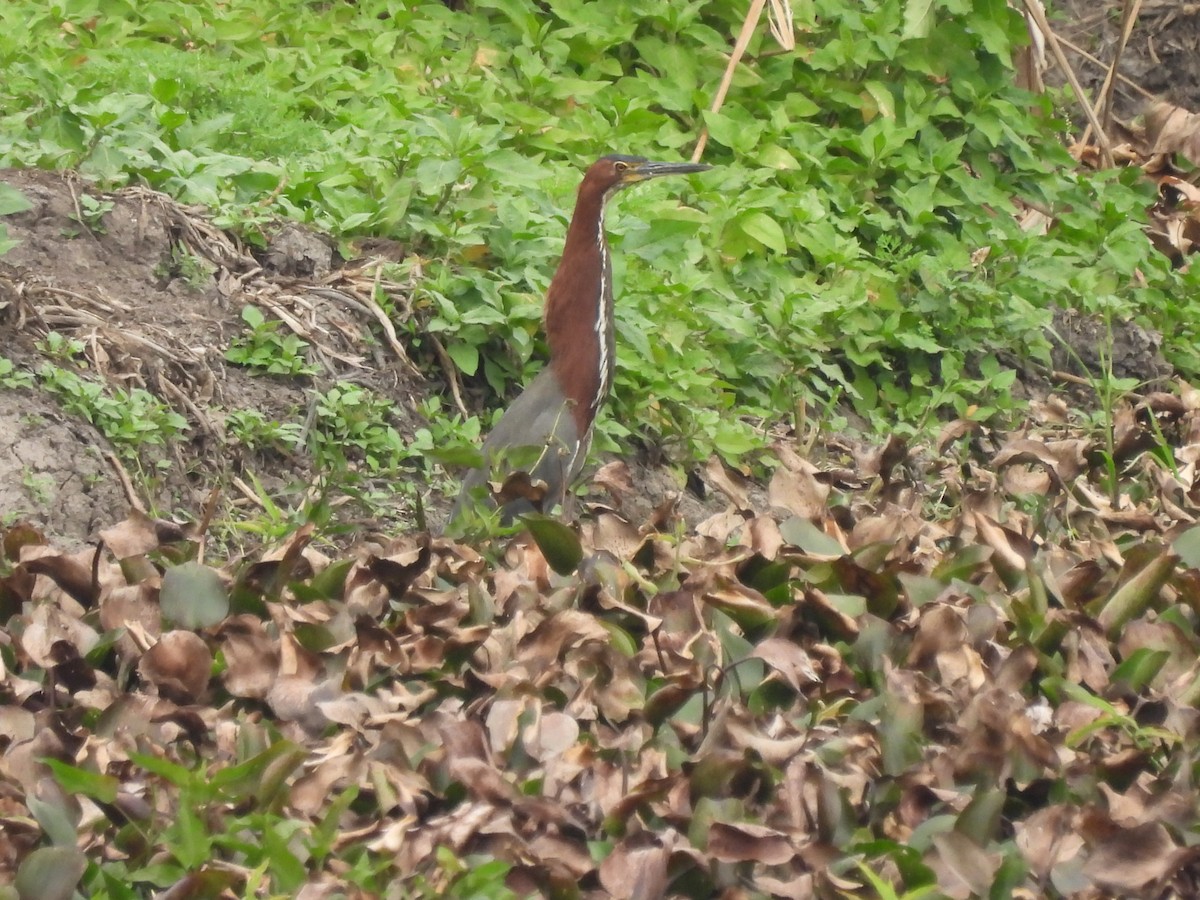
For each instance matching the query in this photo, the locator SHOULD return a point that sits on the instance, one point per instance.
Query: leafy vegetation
(856, 246)
(268, 348)
(351, 419)
(11, 377)
(130, 419)
(11, 201)
(252, 428)
(91, 213)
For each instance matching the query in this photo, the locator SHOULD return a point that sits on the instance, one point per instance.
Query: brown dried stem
(739, 50)
(1039, 16)
(451, 373)
(1103, 108)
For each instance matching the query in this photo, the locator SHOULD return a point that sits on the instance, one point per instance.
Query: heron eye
(620, 166)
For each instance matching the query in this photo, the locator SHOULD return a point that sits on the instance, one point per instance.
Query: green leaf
(50, 873)
(176, 774)
(1141, 668)
(1187, 545)
(882, 102)
(918, 19)
(920, 589)
(1133, 598)
(465, 356)
(193, 596)
(80, 781)
(765, 230)
(622, 640)
(252, 316)
(962, 563)
(733, 439)
(558, 543)
(330, 582)
(57, 821)
(802, 533)
(12, 200)
(165, 90)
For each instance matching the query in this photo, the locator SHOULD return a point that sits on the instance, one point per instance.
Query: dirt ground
(155, 295)
(147, 321)
(1161, 57)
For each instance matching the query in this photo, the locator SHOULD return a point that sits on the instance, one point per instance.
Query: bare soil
(155, 295)
(1161, 57)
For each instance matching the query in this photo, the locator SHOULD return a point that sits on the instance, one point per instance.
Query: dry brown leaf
(743, 842)
(551, 735)
(963, 869)
(614, 478)
(880, 462)
(251, 657)
(47, 626)
(789, 660)
(951, 432)
(70, 573)
(801, 887)
(179, 664)
(1128, 860)
(1050, 411)
(614, 535)
(798, 492)
(721, 526)
(138, 535)
(636, 872)
(1048, 837)
(732, 484)
(1173, 129)
(762, 535)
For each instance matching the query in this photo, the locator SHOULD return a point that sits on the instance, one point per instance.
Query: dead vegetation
(977, 665)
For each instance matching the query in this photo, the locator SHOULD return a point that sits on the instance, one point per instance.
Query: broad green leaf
(558, 543)
(920, 589)
(193, 596)
(177, 775)
(962, 563)
(12, 200)
(1187, 545)
(621, 638)
(329, 583)
(465, 356)
(803, 534)
(881, 101)
(765, 230)
(918, 19)
(1135, 596)
(58, 822)
(50, 873)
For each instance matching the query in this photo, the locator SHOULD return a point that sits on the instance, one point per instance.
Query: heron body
(547, 430)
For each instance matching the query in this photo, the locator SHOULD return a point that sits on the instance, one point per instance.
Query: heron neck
(578, 314)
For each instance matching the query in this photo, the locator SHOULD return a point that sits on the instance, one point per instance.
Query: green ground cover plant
(130, 419)
(856, 245)
(11, 201)
(269, 347)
